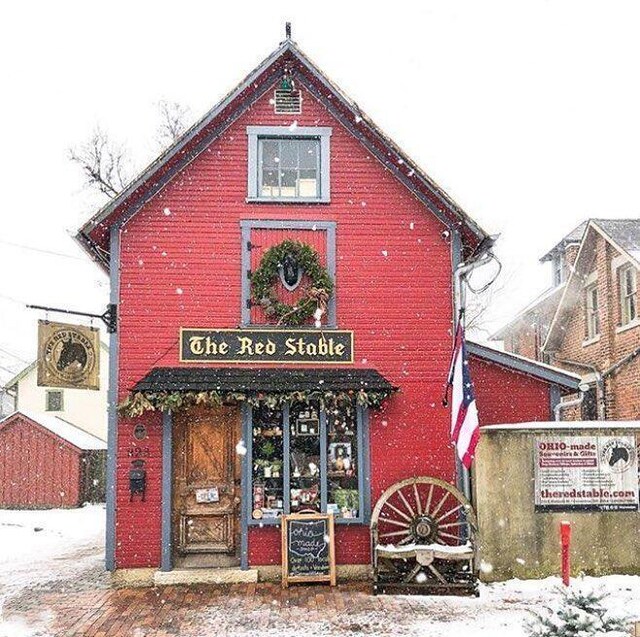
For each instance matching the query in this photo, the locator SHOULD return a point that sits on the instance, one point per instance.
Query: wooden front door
(206, 487)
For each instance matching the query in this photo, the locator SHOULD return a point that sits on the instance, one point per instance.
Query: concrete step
(204, 576)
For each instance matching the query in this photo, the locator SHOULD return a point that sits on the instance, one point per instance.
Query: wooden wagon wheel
(423, 511)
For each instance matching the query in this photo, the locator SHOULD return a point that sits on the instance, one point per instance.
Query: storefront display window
(305, 458)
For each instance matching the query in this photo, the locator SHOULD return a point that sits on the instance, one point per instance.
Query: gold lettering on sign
(196, 345)
(325, 347)
(246, 346)
(200, 345)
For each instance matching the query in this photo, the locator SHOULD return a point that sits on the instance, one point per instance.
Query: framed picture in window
(340, 456)
(307, 426)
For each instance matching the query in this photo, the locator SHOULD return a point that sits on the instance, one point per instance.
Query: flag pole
(463, 269)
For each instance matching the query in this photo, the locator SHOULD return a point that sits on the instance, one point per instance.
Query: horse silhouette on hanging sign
(71, 353)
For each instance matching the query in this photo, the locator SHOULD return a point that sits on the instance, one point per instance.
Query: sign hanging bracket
(109, 317)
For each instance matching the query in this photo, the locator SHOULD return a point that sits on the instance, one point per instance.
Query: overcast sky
(526, 112)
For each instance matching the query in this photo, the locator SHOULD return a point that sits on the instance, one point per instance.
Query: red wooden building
(46, 462)
(285, 198)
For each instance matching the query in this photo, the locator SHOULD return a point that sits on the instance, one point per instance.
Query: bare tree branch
(172, 124)
(103, 163)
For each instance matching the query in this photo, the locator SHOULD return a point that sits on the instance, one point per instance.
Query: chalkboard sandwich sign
(308, 548)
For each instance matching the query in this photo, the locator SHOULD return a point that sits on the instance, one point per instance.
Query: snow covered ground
(40, 546)
(502, 610)
(64, 548)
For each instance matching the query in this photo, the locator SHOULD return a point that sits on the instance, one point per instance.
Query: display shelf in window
(343, 487)
(304, 457)
(267, 464)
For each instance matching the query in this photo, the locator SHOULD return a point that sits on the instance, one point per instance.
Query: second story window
(54, 400)
(628, 294)
(288, 164)
(289, 168)
(591, 314)
(557, 270)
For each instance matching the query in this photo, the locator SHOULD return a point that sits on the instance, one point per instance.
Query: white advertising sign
(585, 473)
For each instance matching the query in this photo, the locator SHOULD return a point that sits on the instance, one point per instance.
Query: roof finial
(287, 30)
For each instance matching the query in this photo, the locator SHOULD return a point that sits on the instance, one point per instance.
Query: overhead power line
(21, 246)
(8, 353)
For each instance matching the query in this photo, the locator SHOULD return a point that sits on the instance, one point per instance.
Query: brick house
(526, 332)
(231, 417)
(589, 322)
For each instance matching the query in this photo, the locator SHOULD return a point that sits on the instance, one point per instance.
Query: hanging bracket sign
(266, 346)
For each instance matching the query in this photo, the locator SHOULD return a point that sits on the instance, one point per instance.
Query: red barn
(283, 282)
(46, 462)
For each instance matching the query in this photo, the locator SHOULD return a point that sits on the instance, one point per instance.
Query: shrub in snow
(580, 614)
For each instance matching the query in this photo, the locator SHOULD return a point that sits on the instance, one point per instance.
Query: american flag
(465, 428)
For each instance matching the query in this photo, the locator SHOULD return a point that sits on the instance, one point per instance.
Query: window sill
(628, 326)
(591, 341)
(277, 521)
(296, 200)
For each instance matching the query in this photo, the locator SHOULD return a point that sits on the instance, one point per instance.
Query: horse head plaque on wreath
(290, 272)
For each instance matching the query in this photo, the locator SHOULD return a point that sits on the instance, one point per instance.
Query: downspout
(602, 405)
(460, 302)
(569, 403)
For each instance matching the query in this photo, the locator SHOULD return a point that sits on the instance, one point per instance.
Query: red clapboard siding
(180, 266)
(504, 396)
(37, 468)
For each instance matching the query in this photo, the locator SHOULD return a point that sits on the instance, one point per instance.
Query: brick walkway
(88, 607)
(242, 609)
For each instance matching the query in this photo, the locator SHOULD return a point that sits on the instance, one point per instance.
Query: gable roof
(575, 236)
(623, 235)
(94, 235)
(547, 297)
(61, 428)
(548, 373)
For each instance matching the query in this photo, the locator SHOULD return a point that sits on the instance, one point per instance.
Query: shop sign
(68, 356)
(308, 553)
(586, 473)
(266, 346)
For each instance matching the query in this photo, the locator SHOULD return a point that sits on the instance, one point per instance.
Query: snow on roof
(573, 425)
(541, 298)
(525, 365)
(65, 430)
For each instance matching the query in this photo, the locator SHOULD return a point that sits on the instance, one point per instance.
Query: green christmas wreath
(316, 295)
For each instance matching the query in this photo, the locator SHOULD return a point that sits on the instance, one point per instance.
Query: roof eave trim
(373, 129)
(182, 142)
(198, 127)
(531, 368)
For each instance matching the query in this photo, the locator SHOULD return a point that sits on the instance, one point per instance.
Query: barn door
(261, 239)
(206, 487)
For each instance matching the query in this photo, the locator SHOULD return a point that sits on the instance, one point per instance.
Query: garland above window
(137, 403)
(282, 262)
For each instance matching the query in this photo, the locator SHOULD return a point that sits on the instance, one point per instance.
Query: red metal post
(565, 540)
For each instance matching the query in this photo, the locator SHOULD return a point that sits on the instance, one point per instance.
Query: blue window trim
(364, 469)
(255, 133)
(247, 225)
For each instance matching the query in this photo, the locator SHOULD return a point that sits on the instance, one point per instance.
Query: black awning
(272, 380)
